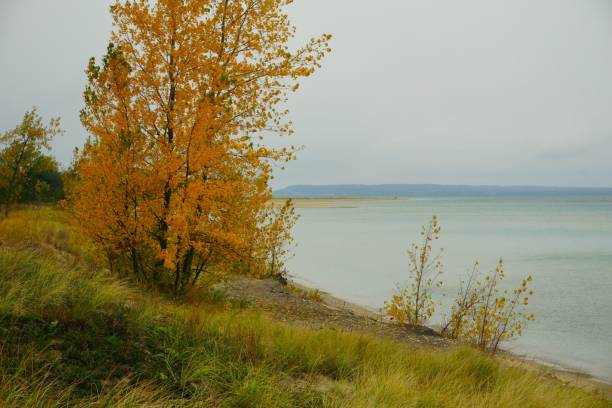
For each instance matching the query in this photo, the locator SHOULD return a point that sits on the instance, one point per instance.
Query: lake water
(359, 254)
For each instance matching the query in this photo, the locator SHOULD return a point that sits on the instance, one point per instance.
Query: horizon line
(449, 185)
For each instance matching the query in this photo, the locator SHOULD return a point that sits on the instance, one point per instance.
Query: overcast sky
(415, 91)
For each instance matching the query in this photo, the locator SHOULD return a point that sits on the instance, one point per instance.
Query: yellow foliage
(174, 177)
(413, 304)
(272, 241)
(482, 313)
(486, 316)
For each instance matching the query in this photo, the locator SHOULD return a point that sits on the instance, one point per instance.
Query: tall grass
(72, 335)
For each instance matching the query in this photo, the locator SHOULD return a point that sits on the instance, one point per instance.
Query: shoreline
(326, 202)
(564, 371)
(567, 375)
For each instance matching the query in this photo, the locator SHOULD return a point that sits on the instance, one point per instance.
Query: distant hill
(432, 190)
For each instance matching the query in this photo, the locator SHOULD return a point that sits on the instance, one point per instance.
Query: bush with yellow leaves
(482, 314)
(413, 304)
(485, 315)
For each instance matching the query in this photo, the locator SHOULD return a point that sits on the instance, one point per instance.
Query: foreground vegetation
(72, 334)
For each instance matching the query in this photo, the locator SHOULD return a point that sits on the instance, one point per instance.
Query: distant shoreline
(433, 190)
(325, 202)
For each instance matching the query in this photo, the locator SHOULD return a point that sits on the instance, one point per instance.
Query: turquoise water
(359, 254)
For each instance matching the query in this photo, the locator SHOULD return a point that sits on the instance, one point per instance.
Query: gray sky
(415, 91)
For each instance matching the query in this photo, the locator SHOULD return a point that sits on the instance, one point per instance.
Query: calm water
(565, 242)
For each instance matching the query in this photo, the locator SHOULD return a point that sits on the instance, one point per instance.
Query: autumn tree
(44, 182)
(25, 172)
(482, 314)
(466, 300)
(413, 304)
(175, 173)
(273, 240)
(485, 315)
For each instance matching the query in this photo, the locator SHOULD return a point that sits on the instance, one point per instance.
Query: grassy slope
(70, 334)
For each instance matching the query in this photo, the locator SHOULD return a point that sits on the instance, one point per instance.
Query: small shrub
(413, 304)
(484, 315)
(310, 294)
